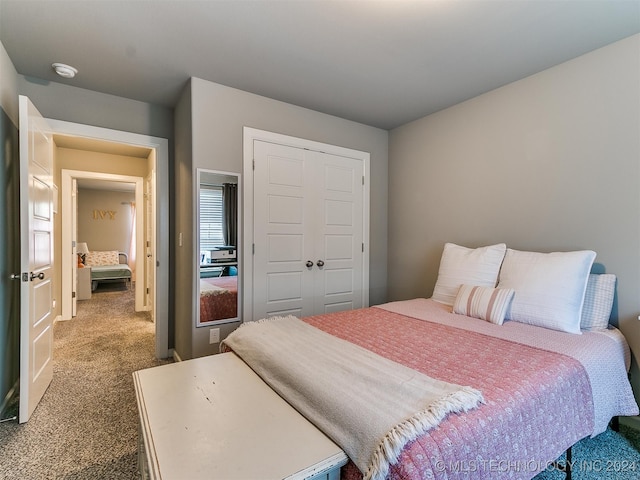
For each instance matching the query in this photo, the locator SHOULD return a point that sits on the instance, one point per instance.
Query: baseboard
(58, 319)
(631, 422)
(176, 357)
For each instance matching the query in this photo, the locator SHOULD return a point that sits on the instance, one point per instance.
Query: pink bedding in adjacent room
(544, 390)
(218, 298)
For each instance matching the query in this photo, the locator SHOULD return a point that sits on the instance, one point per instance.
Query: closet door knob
(309, 264)
(320, 263)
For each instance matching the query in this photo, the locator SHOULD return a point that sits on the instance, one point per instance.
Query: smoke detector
(65, 71)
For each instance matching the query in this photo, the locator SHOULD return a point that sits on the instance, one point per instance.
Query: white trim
(68, 253)
(249, 135)
(161, 145)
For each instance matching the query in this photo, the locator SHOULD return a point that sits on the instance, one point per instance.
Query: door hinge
(73, 294)
(363, 248)
(147, 291)
(362, 179)
(253, 248)
(254, 163)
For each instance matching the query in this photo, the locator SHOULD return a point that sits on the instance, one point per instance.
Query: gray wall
(549, 163)
(72, 104)
(219, 114)
(108, 232)
(184, 222)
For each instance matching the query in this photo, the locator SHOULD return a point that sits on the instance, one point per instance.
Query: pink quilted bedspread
(224, 304)
(538, 403)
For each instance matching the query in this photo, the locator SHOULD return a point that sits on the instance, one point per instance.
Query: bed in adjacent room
(218, 298)
(517, 344)
(107, 267)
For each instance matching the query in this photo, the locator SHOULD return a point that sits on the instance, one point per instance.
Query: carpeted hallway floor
(86, 424)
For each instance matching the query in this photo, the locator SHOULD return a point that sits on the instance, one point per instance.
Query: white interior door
(74, 246)
(36, 238)
(150, 242)
(308, 232)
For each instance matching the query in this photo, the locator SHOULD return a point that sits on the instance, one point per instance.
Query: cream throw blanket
(369, 405)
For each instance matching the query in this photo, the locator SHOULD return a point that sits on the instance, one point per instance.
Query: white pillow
(598, 300)
(468, 266)
(485, 303)
(549, 287)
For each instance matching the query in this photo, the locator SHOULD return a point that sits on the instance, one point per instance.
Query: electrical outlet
(214, 335)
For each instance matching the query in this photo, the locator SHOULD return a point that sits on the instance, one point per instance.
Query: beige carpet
(86, 424)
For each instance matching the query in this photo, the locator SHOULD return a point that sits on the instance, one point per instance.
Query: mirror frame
(199, 174)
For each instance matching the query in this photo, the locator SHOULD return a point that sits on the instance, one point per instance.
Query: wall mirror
(217, 247)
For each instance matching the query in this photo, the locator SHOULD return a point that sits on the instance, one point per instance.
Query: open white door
(74, 245)
(150, 243)
(36, 257)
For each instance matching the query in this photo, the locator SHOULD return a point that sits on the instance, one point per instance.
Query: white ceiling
(382, 63)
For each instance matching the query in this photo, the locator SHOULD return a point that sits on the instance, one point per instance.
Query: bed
(218, 298)
(501, 323)
(107, 267)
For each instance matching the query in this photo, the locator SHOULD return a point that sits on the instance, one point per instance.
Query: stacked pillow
(462, 265)
(598, 301)
(549, 287)
(550, 290)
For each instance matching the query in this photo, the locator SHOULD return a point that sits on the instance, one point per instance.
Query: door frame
(249, 135)
(67, 176)
(161, 147)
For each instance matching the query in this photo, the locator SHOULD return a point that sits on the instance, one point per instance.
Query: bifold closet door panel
(283, 232)
(338, 233)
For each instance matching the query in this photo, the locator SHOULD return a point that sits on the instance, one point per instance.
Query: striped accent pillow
(598, 301)
(485, 303)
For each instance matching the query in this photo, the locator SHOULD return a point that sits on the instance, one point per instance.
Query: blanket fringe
(388, 451)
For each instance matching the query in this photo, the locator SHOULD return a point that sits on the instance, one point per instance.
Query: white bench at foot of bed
(214, 418)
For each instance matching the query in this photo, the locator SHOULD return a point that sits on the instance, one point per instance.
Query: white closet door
(308, 232)
(338, 232)
(282, 283)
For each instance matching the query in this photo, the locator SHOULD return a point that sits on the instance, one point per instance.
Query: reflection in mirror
(217, 247)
